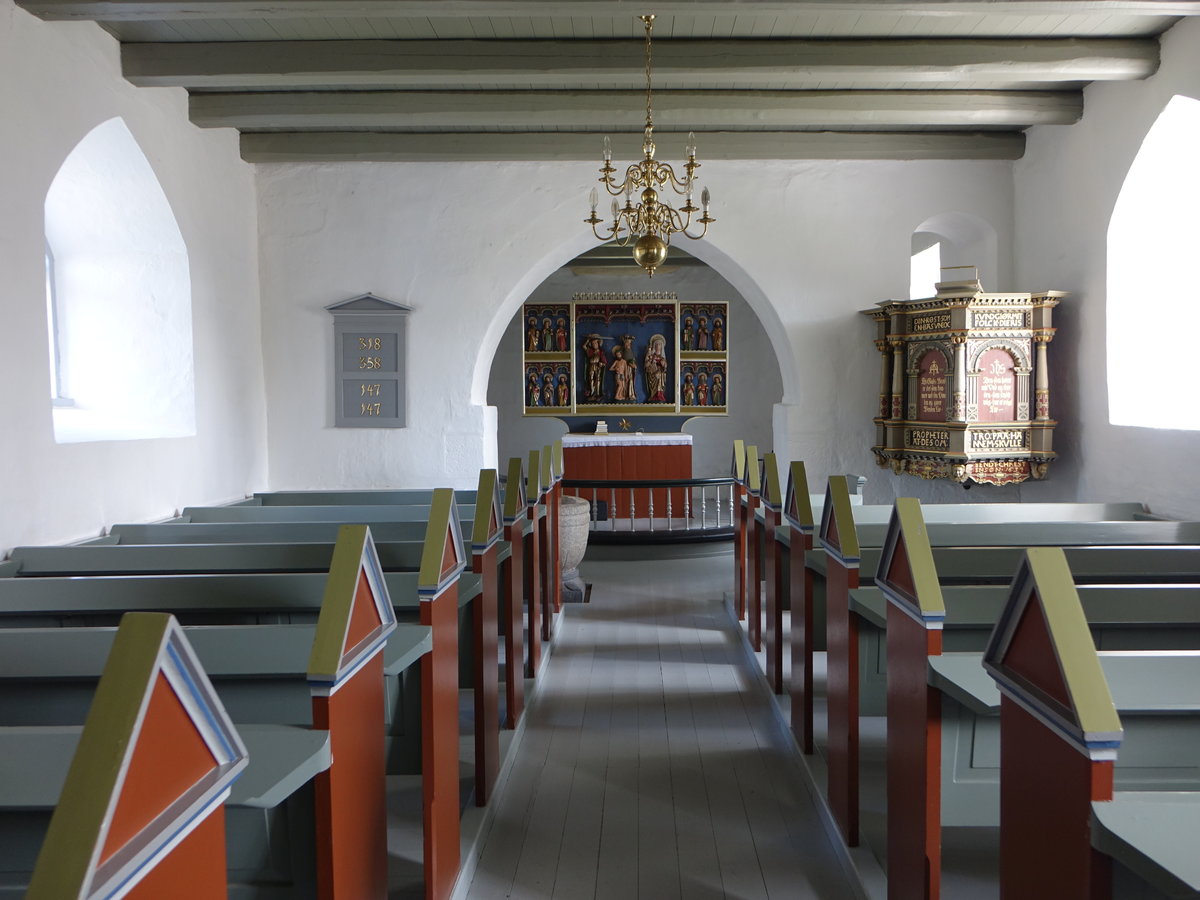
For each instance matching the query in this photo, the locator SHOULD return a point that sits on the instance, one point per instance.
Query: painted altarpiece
(634, 354)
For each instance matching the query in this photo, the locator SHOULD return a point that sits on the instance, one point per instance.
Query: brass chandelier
(653, 220)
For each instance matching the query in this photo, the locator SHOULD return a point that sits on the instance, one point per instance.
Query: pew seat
(1152, 835)
(268, 837)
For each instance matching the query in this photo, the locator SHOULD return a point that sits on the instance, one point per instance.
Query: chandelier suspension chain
(649, 20)
(650, 224)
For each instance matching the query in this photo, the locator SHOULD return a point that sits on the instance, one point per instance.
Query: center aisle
(652, 765)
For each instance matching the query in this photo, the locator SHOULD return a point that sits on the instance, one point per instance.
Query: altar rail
(679, 509)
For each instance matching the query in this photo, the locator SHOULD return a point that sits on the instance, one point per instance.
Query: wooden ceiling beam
(135, 10)
(623, 110)
(367, 146)
(619, 64)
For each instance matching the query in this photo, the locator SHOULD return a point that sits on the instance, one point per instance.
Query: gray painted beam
(623, 110)
(393, 147)
(132, 10)
(619, 64)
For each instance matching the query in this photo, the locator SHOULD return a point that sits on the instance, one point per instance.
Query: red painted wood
(513, 619)
(739, 553)
(487, 676)
(754, 541)
(554, 504)
(914, 759)
(439, 746)
(773, 627)
(351, 794)
(193, 870)
(1046, 791)
(628, 462)
(841, 629)
(533, 600)
(547, 576)
(169, 757)
(801, 591)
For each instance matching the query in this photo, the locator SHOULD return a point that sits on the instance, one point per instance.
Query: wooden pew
(937, 754)
(485, 537)
(753, 532)
(292, 596)
(537, 549)
(840, 539)
(340, 665)
(519, 595)
(126, 818)
(795, 538)
(737, 470)
(772, 493)
(520, 529)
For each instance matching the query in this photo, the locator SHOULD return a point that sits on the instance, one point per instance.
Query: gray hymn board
(369, 362)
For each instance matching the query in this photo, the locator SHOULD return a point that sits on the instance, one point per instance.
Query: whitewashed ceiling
(314, 80)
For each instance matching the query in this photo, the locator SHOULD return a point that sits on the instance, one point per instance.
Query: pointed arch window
(118, 297)
(1153, 312)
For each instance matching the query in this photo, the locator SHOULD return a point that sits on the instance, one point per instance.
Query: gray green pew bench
(839, 539)
(939, 749)
(1100, 752)
(138, 797)
(260, 672)
(477, 636)
(334, 680)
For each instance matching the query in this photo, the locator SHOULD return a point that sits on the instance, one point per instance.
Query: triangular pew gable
(772, 490)
(356, 615)
(908, 578)
(837, 534)
(737, 469)
(534, 486)
(514, 491)
(737, 466)
(488, 525)
(485, 538)
(772, 570)
(840, 541)
(1059, 734)
(797, 509)
(437, 584)
(140, 808)
(753, 470)
(547, 462)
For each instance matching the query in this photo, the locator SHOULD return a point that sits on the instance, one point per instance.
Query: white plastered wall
(1065, 189)
(57, 82)
(806, 244)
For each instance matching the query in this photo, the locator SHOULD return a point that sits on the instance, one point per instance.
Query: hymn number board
(369, 357)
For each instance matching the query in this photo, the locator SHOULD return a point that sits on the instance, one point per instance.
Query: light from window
(119, 296)
(1153, 304)
(925, 271)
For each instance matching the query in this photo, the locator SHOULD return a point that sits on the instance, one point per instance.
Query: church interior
(199, 198)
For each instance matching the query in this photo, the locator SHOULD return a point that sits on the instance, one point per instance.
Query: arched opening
(949, 240)
(755, 378)
(1152, 235)
(118, 294)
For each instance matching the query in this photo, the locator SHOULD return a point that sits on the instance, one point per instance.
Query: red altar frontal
(625, 457)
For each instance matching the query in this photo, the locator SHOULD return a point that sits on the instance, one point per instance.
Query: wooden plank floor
(652, 765)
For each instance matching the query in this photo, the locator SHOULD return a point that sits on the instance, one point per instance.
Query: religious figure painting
(654, 353)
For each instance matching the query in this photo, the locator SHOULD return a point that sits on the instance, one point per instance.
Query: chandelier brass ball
(650, 197)
(650, 252)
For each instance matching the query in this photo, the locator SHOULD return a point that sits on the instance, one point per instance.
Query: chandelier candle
(650, 224)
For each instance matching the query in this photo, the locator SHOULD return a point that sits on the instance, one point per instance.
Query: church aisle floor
(652, 765)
